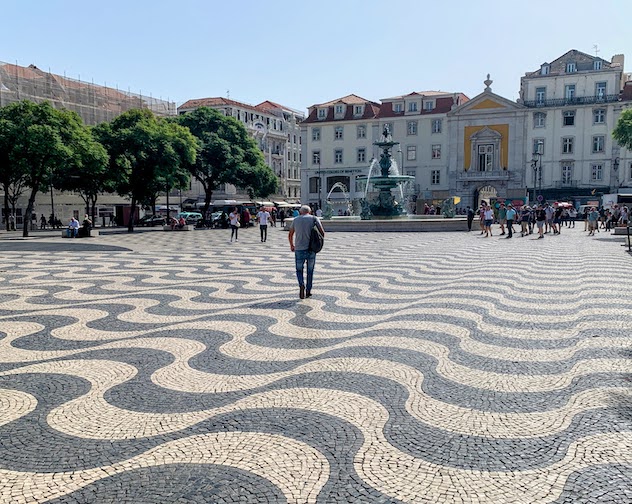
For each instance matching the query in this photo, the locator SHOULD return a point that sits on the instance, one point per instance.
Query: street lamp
(52, 204)
(536, 164)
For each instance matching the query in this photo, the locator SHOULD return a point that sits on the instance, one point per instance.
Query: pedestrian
(263, 216)
(502, 218)
(470, 218)
(299, 237)
(12, 222)
(481, 216)
(593, 221)
(233, 218)
(488, 215)
(548, 211)
(557, 220)
(42, 222)
(540, 220)
(525, 216)
(572, 215)
(510, 216)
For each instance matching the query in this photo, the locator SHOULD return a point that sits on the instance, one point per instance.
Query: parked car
(190, 217)
(151, 220)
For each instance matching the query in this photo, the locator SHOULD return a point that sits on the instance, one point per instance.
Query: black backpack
(316, 238)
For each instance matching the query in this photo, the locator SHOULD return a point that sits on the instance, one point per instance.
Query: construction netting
(94, 103)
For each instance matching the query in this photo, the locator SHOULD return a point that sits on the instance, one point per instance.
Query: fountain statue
(385, 205)
(447, 208)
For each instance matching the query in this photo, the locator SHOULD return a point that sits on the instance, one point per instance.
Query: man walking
(511, 215)
(300, 232)
(470, 218)
(263, 216)
(502, 218)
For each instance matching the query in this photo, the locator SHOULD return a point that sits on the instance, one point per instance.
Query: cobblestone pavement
(430, 367)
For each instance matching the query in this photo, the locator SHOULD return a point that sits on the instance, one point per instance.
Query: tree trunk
(208, 194)
(29, 210)
(93, 203)
(6, 206)
(132, 214)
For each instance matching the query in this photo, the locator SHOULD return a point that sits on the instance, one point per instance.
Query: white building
(338, 141)
(573, 105)
(555, 141)
(277, 131)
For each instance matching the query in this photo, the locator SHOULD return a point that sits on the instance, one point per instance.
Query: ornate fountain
(385, 204)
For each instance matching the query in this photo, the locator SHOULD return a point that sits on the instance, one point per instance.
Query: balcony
(578, 100)
(483, 175)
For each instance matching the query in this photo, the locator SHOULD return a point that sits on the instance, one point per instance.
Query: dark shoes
(301, 292)
(308, 294)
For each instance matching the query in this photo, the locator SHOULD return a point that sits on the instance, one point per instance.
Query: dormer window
(340, 109)
(429, 104)
(358, 110)
(398, 107)
(545, 69)
(412, 107)
(322, 113)
(597, 65)
(571, 67)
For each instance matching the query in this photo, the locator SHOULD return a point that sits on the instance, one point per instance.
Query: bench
(80, 233)
(187, 227)
(620, 231)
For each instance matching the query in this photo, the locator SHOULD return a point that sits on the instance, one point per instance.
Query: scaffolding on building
(94, 103)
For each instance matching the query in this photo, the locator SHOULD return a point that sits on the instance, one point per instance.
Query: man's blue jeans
(301, 256)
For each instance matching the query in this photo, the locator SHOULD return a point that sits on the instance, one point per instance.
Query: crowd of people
(544, 218)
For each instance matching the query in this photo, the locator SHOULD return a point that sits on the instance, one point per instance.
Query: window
(338, 156)
(599, 116)
(361, 131)
(338, 132)
(315, 134)
(538, 145)
(411, 173)
(567, 145)
(569, 118)
(539, 120)
(436, 151)
(597, 65)
(313, 184)
(567, 173)
(411, 153)
(569, 92)
(544, 70)
(362, 155)
(540, 95)
(294, 138)
(436, 125)
(597, 172)
(485, 157)
(411, 127)
(294, 155)
(598, 143)
(300, 157)
(435, 177)
(412, 107)
(398, 107)
(322, 113)
(600, 90)
(339, 109)
(316, 157)
(429, 105)
(358, 110)
(289, 155)
(571, 67)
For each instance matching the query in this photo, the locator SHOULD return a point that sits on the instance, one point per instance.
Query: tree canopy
(148, 155)
(623, 130)
(227, 155)
(43, 140)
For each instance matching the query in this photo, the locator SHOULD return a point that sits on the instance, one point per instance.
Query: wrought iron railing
(577, 100)
(571, 183)
(475, 174)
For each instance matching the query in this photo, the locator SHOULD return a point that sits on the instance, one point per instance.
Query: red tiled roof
(442, 106)
(214, 102)
(347, 100)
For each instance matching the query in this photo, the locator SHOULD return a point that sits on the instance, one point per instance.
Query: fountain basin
(402, 224)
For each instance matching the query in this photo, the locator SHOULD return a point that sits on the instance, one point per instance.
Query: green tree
(623, 130)
(88, 175)
(43, 140)
(11, 177)
(147, 154)
(227, 155)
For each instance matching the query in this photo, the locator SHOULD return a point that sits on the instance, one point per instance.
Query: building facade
(554, 142)
(276, 129)
(338, 144)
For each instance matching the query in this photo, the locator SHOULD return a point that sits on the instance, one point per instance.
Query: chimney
(617, 60)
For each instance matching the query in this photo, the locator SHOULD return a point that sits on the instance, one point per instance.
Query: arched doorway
(487, 193)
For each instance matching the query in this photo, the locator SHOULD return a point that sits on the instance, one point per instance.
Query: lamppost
(52, 203)
(320, 186)
(536, 164)
(615, 167)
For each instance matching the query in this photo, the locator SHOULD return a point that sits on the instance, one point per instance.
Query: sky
(300, 53)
